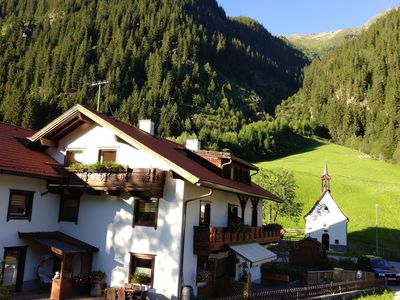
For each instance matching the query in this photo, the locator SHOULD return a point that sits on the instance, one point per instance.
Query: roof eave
(27, 174)
(237, 191)
(79, 108)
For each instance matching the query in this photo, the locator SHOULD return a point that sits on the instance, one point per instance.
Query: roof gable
(327, 200)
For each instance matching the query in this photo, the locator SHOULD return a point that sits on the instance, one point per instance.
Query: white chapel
(325, 221)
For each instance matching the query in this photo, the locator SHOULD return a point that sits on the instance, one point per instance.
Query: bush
(345, 263)
(98, 167)
(273, 227)
(97, 275)
(141, 278)
(5, 292)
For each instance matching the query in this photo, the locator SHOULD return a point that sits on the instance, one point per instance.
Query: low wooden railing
(149, 180)
(327, 276)
(208, 239)
(314, 291)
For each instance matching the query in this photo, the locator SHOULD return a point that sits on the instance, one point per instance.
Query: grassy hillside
(357, 184)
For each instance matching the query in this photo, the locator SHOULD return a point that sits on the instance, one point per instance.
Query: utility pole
(376, 228)
(99, 84)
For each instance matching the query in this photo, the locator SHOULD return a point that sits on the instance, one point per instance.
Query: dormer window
(107, 155)
(73, 156)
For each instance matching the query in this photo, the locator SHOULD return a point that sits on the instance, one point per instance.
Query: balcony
(150, 181)
(209, 239)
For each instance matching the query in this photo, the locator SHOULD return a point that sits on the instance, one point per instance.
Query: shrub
(98, 167)
(141, 278)
(97, 275)
(273, 227)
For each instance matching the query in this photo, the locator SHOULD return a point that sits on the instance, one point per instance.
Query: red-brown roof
(17, 159)
(173, 152)
(177, 155)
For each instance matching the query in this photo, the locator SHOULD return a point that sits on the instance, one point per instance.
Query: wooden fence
(328, 276)
(313, 291)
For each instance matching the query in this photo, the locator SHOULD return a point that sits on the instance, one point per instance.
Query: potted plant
(141, 278)
(203, 277)
(96, 277)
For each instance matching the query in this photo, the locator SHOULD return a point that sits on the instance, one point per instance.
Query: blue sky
(283, 17)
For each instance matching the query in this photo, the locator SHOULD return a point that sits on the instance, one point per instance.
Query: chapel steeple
(325, 180)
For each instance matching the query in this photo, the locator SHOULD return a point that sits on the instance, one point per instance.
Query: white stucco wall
(333, 222)
(219, 201)
(44, 218)
(106, 221)
(91, 138)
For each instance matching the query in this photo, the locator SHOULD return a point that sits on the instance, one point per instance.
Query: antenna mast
(99, 84)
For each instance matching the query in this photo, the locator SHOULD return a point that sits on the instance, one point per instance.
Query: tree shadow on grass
(290, 144)
(364, 242)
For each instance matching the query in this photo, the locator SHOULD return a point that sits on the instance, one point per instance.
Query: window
(20, 205)
(73, 156)
(145, 212)
(107, 156)
(205, 213)
(69, 208)
(141, 268)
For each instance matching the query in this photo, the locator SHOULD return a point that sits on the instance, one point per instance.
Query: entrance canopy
(253, 253)
(58, 242)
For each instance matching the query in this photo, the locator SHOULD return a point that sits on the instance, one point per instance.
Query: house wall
(333, 223)
(91, 138)
(106, 221)
(219, 218)
(44, 218)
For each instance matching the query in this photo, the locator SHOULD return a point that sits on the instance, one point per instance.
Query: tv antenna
(99, 84)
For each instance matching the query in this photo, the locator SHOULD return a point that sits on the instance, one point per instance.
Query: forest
(184, 64)
(352, 95)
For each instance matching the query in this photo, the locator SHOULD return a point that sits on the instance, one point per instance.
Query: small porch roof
(253, 253)
(58, 242)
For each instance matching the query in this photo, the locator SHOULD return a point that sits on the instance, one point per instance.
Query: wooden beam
(85, 119)
(243, 201)
(68, 128)
(48, 142)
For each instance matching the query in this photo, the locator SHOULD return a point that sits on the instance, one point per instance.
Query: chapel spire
(325, 180)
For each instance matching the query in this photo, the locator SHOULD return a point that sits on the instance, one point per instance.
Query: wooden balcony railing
(143, 180)
(208, 239)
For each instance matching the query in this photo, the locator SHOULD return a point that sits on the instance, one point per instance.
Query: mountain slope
(318, 44)
(182, 63)
(354, 92)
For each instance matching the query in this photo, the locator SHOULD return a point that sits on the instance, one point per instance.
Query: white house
(325, 221)
(164, 214)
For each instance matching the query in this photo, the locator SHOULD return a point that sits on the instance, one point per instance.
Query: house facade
(325, 221)
(158, 209)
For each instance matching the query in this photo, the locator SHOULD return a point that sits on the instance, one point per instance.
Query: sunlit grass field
(358, 183)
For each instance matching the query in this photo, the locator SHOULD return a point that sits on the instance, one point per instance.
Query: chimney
(147, 125)
(193, 144)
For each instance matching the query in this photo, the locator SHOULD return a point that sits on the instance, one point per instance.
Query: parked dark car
(380, 267)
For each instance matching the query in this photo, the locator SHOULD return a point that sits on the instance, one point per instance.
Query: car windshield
(379, 263)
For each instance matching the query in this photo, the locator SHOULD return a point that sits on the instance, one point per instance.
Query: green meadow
(358, 183)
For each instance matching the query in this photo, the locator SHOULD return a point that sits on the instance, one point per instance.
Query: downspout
(258, 170)
(225, 164)
(183, 233)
